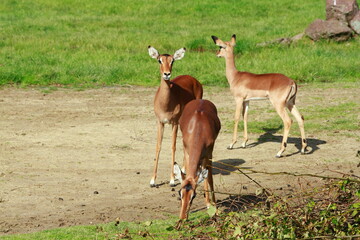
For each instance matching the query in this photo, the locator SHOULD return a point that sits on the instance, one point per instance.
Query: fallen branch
(283, 41)
(287, 173)
(265, 190)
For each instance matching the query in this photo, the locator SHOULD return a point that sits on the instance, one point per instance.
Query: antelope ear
(179, 54)
(203, 174)
(218, 42)
(153, 52)
(179, 175)
(233, 40)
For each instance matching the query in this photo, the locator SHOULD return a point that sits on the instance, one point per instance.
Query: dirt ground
(72, 157)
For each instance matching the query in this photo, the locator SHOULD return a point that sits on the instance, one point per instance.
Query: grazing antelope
(200, 126)
(245, 86)
(170, 100)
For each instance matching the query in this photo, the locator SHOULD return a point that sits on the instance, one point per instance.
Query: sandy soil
(85, 157)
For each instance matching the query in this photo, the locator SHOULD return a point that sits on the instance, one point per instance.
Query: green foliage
(330, 211)
(96, 43)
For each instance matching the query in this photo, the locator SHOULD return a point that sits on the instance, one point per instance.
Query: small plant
(332, 211)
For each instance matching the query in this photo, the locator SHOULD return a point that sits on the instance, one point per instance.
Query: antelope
(246, 86)
(200, 126)
(169, 102)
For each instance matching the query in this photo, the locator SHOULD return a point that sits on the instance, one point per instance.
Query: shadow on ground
(268, 136)
(226, 166)
(237, 203)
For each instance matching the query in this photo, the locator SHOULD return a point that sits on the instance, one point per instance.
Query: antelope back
(190, 88)
(199, 123)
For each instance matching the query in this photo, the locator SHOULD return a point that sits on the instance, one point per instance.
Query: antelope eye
(159, 61)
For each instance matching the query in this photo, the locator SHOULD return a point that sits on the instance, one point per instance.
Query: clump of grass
(105, 43)
(331, 211)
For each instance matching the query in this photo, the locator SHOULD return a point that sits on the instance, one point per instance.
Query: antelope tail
(292, 94)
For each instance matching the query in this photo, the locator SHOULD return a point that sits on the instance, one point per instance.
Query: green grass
(162, 229)
(96, 43)
(341, 118)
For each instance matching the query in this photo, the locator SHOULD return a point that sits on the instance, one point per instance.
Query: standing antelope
(200, 126)
(170, 100)
(245, 86)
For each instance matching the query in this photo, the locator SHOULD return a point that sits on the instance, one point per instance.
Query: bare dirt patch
(85, 157)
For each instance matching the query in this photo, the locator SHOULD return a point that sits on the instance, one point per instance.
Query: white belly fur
(256, 98)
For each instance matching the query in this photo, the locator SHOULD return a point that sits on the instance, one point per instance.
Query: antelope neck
(165, 86)
(164, 90)
(230, 68)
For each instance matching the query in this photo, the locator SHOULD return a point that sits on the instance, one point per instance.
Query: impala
(200, 126)
(246, 86)
(170, 100)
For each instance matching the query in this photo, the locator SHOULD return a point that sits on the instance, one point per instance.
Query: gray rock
(355, 23)
(341, 10)
(329, 29)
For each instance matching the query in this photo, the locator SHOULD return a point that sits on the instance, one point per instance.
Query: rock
(297, 37)
(329, 29)
(283, 41)
(355, 23)
(341, 10)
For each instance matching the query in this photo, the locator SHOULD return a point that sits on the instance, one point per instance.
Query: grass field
(92, 43)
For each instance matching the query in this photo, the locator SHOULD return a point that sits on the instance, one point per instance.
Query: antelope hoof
(303, 150)
(172, 183)
(179, 224)
(278, 155)
(152, 183)
(243, 145)
(231, 146)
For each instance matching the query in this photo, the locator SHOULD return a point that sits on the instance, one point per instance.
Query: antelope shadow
(226, 166)
(269, 136)
(237, 203)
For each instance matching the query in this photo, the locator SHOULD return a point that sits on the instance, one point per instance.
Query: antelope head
(225, 47)
(166, 61)
(187, 193)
